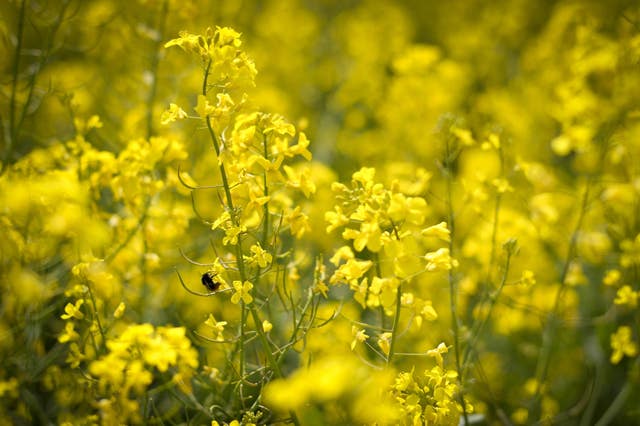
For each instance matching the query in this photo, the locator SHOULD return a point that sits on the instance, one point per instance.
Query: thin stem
(494, 234)
(265, 213)
(273, 363)
(150, 101)
(297, 326)
(616, 405)
(14, 86)
(477, 331)
(243, 315)
(97, 317)
(396, 322)
(238, 249)
(477, 328)
(453, 293)
(549, 332)
(155, 60)
(496, 211)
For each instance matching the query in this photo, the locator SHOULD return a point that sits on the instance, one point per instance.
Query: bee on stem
(210, 281)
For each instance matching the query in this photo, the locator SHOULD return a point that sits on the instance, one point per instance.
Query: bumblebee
(210, 281)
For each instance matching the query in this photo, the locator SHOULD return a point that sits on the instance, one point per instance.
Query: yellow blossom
(300, 181)
(69, 333)
(298, 222)
(527, 278)
(260, 256)
(350, 271)
(336, 219)
(440, 231)
(217, 326)
(612, 277)
(343, 253)
(119, 310)
(384, 342)
(172, 114)
(242, 292)
(626, 297)
(437, 353)
(231, 234)
(440, 260)
(359, 336)
(369, 236)
(204, 108)
(72, 310)
(464, 136)
(622, 344)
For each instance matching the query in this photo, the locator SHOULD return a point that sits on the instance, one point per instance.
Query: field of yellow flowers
(319, 212)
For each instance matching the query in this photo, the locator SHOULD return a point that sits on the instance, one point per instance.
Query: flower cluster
(174, 250)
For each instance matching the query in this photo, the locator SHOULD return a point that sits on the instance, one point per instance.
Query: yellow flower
(9, 387)
(411, 209)
(626, 297)
(203, 107)
(528, 278)
(384, 342)
(464, 136)
(301, 147)
(502, 185)
(232, 233)
(298, 222)
(493, 141)
(440, 260)
(350, 271)
(336, 219)
(612, 277)
(365, 176)
(73, 310)
(359, 336)
(172, 114)
(119, 310)
(368, 236)
(69, 333)
(630, 252)
(437, 353)
(75, 357)
(343, 253)
(300, 181)
(189, 42)
(221, 221)
(260, 256)
(267, 326)
(438, 231)
(217, 326)
(428, 312)
(242, 292)
(622, 344)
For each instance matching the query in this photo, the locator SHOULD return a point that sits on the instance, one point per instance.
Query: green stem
(97, 317)
(616, 405)
(396, 322)
(453, 294)
(238, 249)
(273, 363)
(297, 325)
(14, 86)
(241, 368)
(478, 329)
(265, 213)
(155, 60)
(548, 335)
